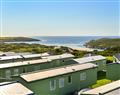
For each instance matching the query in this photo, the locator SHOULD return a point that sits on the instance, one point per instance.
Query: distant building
(14, 88)
(60, 81)
(98, 60)
(108, 89)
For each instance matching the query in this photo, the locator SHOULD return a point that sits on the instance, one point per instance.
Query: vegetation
(110, 46)
(101, 83)
(37, 48)
(34, 48)
(102, 80)
(104, 43)
(110, 51)
(109, 59)
(78, 54)
(16, 39)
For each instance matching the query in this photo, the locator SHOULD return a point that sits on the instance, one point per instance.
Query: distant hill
(104, 43)
(16, 39)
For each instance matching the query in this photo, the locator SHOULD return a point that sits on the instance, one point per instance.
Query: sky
(59, 18)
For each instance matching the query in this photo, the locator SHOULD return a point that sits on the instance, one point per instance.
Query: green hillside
(16, 39)
(104, 43)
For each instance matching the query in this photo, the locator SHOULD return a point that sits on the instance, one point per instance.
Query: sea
(69, 41)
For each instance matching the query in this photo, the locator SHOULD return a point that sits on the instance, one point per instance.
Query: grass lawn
(110, 58)
(101, 82)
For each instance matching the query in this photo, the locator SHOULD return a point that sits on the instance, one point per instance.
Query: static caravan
(113, 71)
(108, 89)
(61, 60)
(7, 53)
(14, 88)
(34, 56)
(8, 70)
(98, 60)
(21, 57)
(13, 58)
(60, 81)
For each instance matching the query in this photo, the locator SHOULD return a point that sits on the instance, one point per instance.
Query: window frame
(8, 74)
(61, 82)
(70, 77)
(36, 67)
(83, 76)
(16, 73)
(51, 86)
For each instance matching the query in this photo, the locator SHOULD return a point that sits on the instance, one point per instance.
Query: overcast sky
(60, 18)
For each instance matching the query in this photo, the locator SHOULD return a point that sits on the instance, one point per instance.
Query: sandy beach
(82, 48)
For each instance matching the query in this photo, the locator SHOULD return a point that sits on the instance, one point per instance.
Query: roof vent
(73, 69)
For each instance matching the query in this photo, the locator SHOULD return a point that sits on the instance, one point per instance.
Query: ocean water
(77, 41)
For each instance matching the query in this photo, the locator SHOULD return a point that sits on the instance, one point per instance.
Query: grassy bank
(16, 39)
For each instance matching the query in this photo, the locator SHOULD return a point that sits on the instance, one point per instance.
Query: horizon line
(66, 36)
(53, 1)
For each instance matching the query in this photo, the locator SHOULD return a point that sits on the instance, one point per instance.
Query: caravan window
(16, 72)
(8, 74)
(61, 82)
(69, 79)
(83, 76)
(52, 85)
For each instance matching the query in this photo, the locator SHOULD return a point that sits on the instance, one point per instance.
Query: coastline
(75, 43)
(74, 47)
(82, 48)
(17, 39)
